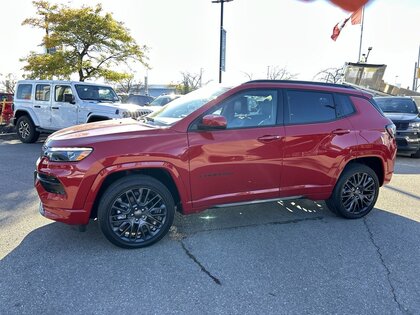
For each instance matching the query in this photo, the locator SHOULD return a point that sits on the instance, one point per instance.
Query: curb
(8, 136)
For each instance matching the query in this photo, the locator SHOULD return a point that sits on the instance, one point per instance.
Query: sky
(183, 36)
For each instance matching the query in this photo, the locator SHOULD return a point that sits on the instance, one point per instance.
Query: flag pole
(361, 33)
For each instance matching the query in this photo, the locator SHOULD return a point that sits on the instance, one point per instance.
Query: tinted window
(60, 91)
(344, 106)
(397, 105)
(139, 99)
(309, 107)
(42, 92)
(249, 109)
(24, 91)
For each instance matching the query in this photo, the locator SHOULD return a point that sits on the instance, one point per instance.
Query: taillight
(392, 130)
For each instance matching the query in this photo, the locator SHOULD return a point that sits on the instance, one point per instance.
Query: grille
(401, 126)
(140, 113)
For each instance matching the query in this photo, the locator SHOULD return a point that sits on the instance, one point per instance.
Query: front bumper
(68, 216)
(408, 141)
(61, 193)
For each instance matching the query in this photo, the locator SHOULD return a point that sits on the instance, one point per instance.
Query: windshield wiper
(105, 100)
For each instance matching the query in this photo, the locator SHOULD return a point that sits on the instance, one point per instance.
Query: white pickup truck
(46, 106)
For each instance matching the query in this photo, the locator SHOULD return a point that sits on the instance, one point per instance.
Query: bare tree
(190, 82)
(128, 85)
(330, 75)
(279, 73)
(8, 83)
(249, 75)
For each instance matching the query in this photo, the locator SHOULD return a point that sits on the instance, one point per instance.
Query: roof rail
(303, 82)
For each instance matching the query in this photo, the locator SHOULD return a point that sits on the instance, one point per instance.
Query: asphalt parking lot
(278, 258)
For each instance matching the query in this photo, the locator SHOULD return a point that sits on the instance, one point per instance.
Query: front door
(64, 114)
(244, 161)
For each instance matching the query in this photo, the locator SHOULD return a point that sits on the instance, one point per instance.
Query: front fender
(138, 166)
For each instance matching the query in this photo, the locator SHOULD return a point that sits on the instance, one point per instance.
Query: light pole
(367, 56)
(222, 39)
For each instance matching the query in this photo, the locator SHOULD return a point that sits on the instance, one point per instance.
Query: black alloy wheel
(136, 211)
(355, 193)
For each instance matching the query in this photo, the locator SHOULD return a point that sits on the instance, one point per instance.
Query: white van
(47, 106)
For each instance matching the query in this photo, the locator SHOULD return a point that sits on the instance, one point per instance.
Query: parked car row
(404, 113)
(42, 106)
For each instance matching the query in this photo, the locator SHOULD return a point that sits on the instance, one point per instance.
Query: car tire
(26, 131)
(355, 192)
(136, 211)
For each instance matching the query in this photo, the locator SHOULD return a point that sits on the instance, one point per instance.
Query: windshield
(185, 105)
(397, 105)
(162, 100)
(96, 93)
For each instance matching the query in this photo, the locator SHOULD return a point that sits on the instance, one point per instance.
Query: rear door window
(344, 106)
(42, 92)
(305, 107)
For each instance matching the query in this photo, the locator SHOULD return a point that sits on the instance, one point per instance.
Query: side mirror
(69, 98)
(213, 122)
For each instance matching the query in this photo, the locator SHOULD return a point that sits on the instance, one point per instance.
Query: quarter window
(249, 109)
(344, 106)
(24, 91)
(42, 92)
(310, 107)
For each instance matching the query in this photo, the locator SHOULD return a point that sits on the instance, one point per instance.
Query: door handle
(55, 107)
(341, 131)
(37, 106)
(269, 138)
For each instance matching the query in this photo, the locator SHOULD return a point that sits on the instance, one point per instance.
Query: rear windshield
(397, 105)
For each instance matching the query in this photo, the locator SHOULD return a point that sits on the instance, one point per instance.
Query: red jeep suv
(260, 141)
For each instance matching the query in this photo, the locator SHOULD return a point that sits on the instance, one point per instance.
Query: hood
(114, 106)
(401, 117)
(100, 129)
(150, 108)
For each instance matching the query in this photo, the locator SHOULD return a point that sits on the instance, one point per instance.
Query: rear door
(63, 114)
(42, 104)
(318, 137)
(244, 161)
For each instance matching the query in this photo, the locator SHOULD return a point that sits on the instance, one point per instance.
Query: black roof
(303, 82)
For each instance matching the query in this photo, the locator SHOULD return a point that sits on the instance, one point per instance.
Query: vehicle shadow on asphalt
(58, 235)
(216, 247)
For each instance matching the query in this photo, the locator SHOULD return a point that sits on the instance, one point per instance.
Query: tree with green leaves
(84, 41)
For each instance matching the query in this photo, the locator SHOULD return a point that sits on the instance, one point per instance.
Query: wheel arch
(93, 118)
(20, 112)
(161, 174)
(373, 162)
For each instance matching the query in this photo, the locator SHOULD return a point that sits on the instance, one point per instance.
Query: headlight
(67, 154)
(125, 114)
(414, 125)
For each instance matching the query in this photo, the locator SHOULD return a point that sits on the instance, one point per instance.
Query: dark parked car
(258, 142)
(404, 113)
(139, 99)
(162, 100)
